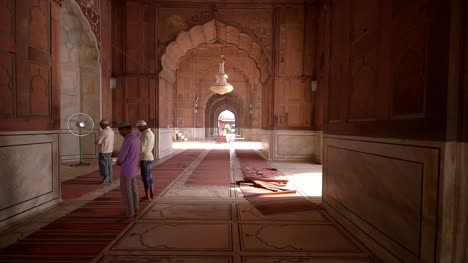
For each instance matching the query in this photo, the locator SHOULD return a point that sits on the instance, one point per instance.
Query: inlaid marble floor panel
(235, 232)
(295, 237)
(177, 237)
(204, 224)
(161, 211)
(247, 212)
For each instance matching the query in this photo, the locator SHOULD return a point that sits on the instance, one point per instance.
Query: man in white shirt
(146, 157)
(105, 144)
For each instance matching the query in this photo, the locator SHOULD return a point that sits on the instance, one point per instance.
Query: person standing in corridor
(128, 161)
(146, 157)
(105, 144)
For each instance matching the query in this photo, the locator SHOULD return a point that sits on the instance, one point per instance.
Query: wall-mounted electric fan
(80, 125)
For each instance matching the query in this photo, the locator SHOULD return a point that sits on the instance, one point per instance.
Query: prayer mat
(266, 188)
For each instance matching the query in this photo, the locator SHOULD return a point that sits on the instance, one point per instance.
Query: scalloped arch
(209, 33)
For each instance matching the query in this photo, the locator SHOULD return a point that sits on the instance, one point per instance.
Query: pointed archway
(80, 78)
(217, 104)
(210, 32)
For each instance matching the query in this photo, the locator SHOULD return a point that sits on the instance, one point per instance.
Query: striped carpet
(214, 169)
(84, 184)
(266, 201)
(83, 233)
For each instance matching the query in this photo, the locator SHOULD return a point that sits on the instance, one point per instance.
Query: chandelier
(221, 86)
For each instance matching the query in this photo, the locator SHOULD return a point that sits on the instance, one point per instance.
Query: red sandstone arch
(218, 103)
(208, 33)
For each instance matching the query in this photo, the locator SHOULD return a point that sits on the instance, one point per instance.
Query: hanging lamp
(221, 86)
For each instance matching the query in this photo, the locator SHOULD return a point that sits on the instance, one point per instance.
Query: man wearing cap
(146, 157)
(105, 144)
(128, 161)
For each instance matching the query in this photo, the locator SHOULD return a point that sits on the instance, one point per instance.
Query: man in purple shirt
(128, 160)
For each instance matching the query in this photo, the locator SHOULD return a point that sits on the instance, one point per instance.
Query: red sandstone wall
(384, 67)
(134, 54)
(29, 72)
(142, 31)
(390, 76)
(106, 57)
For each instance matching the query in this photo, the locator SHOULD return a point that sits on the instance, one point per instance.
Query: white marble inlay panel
(290, 145)
(296, 144)
(357, 179)
(388, 189)
(188, 212)
(250, 213)
(164, 142)
(300, 237)
(69, 145)
(26, 172)
(177, 236)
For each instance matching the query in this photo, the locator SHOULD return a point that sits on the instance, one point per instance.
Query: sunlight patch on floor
(309, 184)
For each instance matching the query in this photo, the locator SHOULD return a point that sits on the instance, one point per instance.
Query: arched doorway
(226, 123)
(193, 101)
(199, 112)
(80, 79)
(218, 104)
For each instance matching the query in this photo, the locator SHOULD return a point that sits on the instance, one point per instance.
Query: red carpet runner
(84, 184)
(215, 169)
(268, 202)
(83, 233)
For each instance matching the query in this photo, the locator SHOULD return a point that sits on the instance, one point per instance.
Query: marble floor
(215, 224)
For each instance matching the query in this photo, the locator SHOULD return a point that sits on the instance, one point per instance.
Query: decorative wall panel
(21, 190)
(409, 89)
(388, 68)
(293, 104)
(106, 58)
(363, 86)
(322, 69)
(7, 25)
(28, 56)
(259, 22)
(171, 21)
(290, 43)
(91, 10)
(164, 142)
(39, 19)
(338, 55)
(40, 91)
(29, 176)
(7, 84)
(296, 145)
(365, 18)
(136, 99)
(388, 189)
